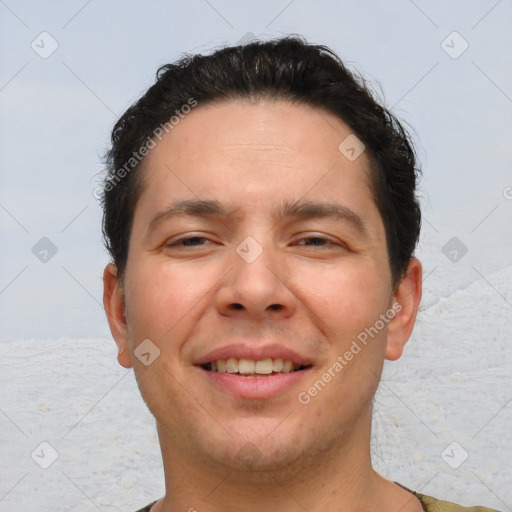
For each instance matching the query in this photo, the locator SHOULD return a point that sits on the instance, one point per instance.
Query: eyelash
(328, 241)
(176, 242)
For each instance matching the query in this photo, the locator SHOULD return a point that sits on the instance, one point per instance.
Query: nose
(256, 289)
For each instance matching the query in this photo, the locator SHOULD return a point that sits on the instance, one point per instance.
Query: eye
(316, 241)
(185, 242)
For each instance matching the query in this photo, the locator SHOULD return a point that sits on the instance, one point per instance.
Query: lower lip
(255, 388)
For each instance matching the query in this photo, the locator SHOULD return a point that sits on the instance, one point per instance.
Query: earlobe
(123, 357)
(408, 297)
(114, 304)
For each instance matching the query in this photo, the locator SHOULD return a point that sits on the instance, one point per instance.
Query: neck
(339, 478)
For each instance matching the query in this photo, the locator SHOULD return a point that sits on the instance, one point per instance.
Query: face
(257, 259)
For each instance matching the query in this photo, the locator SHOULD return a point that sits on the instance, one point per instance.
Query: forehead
(252, 153)
(273, 129)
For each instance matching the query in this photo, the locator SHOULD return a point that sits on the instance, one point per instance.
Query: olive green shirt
(428, 503)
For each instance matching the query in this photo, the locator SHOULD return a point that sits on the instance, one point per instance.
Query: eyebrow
(319, 209)
(192, 207)
(297, 209)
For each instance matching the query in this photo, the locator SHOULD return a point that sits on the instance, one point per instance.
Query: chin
(258, 450)
(250, 459)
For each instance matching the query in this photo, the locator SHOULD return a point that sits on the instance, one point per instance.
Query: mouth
(253, 368)
(254, 372)
(254, 379)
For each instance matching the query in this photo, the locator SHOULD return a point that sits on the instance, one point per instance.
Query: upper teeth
(247, 366)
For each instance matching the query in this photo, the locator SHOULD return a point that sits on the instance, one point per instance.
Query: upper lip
(255, 353)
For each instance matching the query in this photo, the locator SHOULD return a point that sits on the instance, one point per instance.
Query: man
(260, 212)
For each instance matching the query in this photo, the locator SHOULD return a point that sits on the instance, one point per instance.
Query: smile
(252, 368)
(249, 379)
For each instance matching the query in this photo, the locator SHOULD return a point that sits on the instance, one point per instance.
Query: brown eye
(191, 241)
(316, 241)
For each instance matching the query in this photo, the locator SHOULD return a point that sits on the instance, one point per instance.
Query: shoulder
(434, 505)
(431, 504)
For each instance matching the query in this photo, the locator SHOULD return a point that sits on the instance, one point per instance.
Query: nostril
(273, 307)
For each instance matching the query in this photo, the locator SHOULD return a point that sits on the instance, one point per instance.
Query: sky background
(56, 114)
(69, 69)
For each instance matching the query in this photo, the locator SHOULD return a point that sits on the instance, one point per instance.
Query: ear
(406, 302)
(114, 303)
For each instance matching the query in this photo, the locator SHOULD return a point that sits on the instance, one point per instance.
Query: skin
(309, 295)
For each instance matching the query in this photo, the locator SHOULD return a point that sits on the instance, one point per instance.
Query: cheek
(345, 300)
(164, 298)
